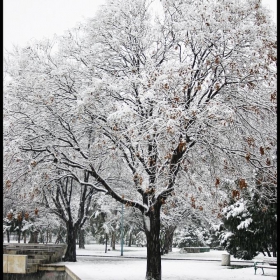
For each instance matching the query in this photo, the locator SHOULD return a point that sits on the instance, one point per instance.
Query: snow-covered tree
(249, 222)
(143, 103)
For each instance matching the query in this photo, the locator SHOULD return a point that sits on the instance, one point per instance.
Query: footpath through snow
(94, 264)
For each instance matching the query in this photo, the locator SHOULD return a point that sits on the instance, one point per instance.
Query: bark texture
(153, 271)
(70, 255)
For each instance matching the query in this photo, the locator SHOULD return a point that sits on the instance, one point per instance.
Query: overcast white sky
(27, 19)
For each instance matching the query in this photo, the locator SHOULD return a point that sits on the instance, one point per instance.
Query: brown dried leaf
(248, 156)
(242, 184)
(217, 182)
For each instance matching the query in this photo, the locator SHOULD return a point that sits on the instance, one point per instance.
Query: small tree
(250, 223)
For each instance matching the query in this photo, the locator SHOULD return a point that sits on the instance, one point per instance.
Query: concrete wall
(49, 272)
(14, 263)
(15, 266)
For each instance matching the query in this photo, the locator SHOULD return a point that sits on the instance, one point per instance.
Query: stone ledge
(52, 267)
(50, 252)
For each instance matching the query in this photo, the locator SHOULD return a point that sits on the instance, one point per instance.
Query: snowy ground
(94, 264)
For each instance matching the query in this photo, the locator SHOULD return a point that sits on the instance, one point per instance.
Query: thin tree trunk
(167, 240)
(41, 237)
(81, 239)
(268, 252)
(113, 241)
(152, 230)
(19, 236)
(274, 243)
(171, 240)
(262, 251)
(130, 239)
(70, 255)
(33, 237)
(8, 236)
(106, 239)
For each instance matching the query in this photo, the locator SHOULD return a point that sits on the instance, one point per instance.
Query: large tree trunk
(70, 255)
(152, 230)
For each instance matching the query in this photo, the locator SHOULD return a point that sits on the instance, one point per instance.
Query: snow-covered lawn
(191, 266)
